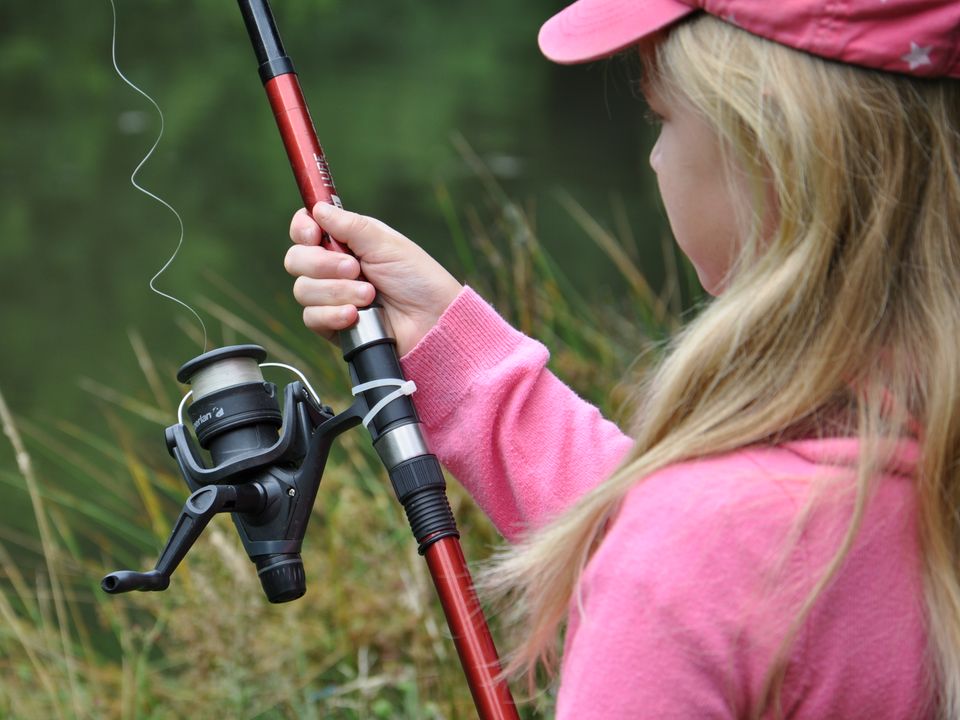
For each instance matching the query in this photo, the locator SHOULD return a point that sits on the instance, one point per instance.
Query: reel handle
(197, 512)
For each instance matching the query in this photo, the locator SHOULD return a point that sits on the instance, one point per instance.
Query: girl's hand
(413, 288)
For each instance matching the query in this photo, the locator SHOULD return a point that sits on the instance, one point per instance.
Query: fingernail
(321, 209)
(345, 268)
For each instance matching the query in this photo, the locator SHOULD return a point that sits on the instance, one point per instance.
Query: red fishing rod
(370, 351)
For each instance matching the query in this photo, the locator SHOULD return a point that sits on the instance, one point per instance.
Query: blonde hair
(851, 310)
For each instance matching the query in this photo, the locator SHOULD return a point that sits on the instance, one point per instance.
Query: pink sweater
(698, 579)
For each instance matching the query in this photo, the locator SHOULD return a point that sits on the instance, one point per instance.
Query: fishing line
(133, 181)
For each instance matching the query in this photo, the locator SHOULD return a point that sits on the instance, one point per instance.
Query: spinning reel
(266, 467)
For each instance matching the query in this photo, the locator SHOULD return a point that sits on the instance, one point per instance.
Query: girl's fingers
(326, 321)
(311, 292)
(360, 233)
(304, 229)
(313, 261)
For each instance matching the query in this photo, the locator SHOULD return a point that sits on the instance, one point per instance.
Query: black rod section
(266, 41)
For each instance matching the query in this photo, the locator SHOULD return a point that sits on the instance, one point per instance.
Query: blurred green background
(388, 84)
(440, 118)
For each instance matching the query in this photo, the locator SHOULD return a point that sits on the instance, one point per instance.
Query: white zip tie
(404, 387)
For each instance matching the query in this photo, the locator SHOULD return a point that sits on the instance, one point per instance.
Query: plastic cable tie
(404, 387)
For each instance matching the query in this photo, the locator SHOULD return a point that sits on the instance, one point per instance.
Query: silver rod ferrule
(401, 444)
(371, 326)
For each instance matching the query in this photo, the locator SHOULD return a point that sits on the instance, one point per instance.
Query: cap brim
(593, 29)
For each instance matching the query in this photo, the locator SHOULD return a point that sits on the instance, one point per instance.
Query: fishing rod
(267, 463)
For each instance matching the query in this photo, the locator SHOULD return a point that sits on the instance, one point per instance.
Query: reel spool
(234, 412)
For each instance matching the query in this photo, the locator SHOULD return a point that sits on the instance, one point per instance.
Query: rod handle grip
(307, 160)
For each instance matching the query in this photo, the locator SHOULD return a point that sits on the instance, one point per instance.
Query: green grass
(368, 640)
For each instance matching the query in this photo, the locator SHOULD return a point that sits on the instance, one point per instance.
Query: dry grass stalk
(50, 550)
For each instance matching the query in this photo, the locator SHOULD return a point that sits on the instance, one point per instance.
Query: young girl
(779, 535)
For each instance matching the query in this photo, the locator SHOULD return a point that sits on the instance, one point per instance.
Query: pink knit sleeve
(522, 443)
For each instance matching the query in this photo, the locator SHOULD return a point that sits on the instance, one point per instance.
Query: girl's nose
(655, 156)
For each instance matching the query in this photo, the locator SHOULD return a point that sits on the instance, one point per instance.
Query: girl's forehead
(654, 82)
(652, 92)
(647, 55)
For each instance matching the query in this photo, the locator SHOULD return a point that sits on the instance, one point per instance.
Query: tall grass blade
(50, 551)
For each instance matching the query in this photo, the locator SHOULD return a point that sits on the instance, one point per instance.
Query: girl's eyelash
(652, 117)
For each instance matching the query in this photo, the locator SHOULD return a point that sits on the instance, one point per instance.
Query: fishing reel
(266, 466)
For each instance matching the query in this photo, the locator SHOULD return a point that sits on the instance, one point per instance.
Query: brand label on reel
(215, 412)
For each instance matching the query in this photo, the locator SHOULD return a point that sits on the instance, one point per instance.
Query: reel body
(265, 469)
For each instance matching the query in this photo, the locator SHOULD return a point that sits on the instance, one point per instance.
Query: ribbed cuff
(469, 339)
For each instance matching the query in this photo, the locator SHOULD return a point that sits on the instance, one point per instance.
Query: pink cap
(916, 37)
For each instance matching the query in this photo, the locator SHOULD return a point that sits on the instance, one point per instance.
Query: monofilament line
(133, 181)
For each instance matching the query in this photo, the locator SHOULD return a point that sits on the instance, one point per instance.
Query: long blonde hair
(851, 309)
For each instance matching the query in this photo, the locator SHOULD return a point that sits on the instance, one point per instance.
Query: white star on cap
(917, 56)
